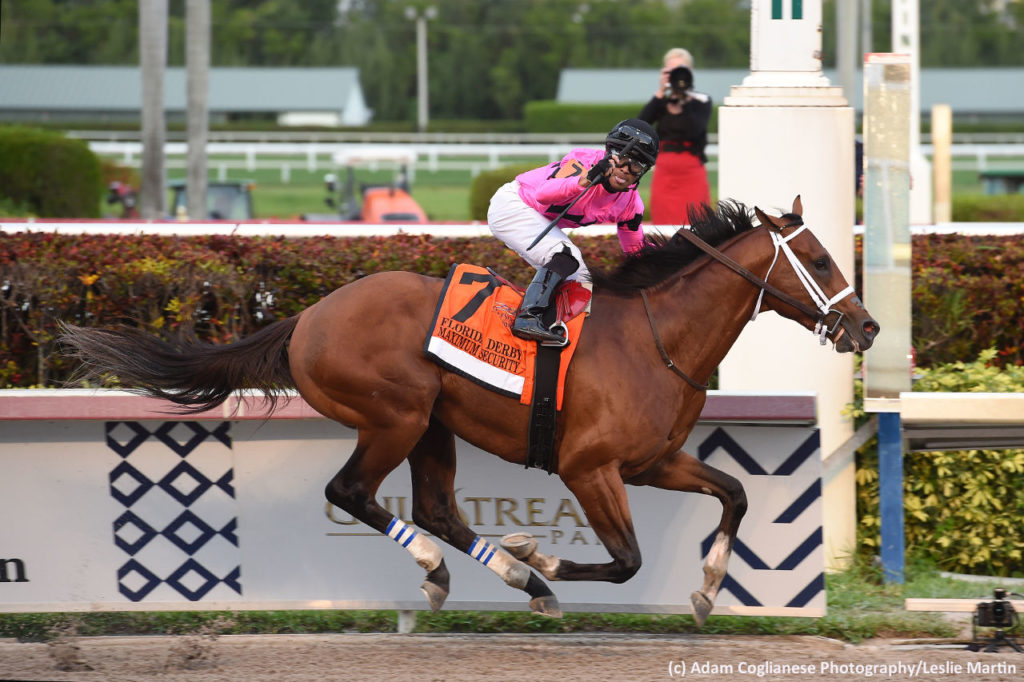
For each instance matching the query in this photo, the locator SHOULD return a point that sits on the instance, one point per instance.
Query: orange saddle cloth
(472, 335)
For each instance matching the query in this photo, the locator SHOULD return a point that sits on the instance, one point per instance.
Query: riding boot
(537, 302)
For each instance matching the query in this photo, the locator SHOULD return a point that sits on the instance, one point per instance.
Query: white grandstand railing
(380, 137)
(432, 156)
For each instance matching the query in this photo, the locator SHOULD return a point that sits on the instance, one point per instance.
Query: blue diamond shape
(188, 518)
(134, 566)
(233, 579)
(223, 433)
(126, 469)
(125, 449)
(230, 532)
(147, 532)
(167, 483)
(199, 434)
(192, 566)
(225, 482)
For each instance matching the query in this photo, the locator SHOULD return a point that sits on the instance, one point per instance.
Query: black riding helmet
(640, 139)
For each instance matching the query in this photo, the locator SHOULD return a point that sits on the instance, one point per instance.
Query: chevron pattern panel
(767, 544)
(176, 521)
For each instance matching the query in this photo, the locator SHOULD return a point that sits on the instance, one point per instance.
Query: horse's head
(825, 302)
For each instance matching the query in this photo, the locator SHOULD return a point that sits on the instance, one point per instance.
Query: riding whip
(628, 148)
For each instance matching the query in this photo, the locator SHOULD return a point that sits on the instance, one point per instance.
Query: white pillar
(847, 55)
(887, 243)
(421, 16)
(905, 40)
(942, 162)
(786, 131)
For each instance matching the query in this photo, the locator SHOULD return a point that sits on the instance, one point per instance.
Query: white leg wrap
(513, 572)
(716, 564)
(425, 551)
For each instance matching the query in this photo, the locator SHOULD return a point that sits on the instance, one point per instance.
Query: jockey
(587, 186)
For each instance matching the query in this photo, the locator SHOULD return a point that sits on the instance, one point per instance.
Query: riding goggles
(635, 166)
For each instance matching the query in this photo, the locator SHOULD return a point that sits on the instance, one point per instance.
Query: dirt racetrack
(494, 657)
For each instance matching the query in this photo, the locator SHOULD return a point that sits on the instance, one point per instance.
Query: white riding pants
(517, 224)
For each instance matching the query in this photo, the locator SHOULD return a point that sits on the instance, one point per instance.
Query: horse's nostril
(871, 329)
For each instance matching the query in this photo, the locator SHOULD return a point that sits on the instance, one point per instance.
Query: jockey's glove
(599, 169)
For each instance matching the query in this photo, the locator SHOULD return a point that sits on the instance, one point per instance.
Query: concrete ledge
(944, 605)
(109, 404)
(962, 408)
(962, 421)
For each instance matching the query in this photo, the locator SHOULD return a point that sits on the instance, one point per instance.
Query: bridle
(822, 302)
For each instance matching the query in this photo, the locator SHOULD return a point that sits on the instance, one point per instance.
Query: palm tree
(197, 64)
(153, 61)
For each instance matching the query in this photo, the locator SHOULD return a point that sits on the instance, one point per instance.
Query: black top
(685, 132)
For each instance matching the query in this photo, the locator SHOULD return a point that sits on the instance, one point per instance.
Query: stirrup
(560, 329)
(536, 331)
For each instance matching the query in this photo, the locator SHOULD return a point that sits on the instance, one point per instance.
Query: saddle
(471, 336)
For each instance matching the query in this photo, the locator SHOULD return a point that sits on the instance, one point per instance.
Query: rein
(748, 275)
(819, 314)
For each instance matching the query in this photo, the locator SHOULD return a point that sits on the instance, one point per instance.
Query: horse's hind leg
(354, 490)
(433, 463)
(686, 473)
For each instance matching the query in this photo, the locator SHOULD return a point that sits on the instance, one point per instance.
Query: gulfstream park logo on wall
(178, 515)
(560, 521)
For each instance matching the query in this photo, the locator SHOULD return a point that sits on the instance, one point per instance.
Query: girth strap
(540, 444)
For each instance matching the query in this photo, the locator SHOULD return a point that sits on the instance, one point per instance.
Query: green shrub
(963, 509)
(988, 208)
(487, 183)
(10, 208)
(549, 116)
(54, 176)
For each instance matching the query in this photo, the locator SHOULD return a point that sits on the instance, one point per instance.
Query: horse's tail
(198, 376)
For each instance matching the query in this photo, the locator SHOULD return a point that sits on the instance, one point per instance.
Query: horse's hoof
(519, 545)
(435, 595)
(435, 587)
(546, 606)
(701, 607)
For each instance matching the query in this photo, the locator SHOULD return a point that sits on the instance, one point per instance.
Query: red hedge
(968, 292)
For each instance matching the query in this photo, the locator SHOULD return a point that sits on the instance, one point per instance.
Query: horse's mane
(662, 256)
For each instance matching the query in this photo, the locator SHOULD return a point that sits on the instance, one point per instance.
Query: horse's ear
(767, 220)
(798, 207)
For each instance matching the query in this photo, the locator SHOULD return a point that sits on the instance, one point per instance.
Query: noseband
(822, 302)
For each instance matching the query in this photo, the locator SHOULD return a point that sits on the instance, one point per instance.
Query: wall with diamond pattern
(110, 514)
(175, 481)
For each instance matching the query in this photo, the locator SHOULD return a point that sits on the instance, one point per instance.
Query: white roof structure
(986, 91)
(56, 90)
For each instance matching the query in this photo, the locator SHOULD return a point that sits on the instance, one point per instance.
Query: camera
(680, 81)
(996, 614)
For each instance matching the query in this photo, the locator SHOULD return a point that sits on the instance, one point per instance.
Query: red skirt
(680, 180)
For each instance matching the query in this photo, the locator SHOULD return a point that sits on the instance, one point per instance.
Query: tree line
(487, 58)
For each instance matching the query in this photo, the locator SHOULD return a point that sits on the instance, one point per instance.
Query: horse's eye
(821, 263)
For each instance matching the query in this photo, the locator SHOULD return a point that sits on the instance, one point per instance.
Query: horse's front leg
(602, 496)
(685, 473)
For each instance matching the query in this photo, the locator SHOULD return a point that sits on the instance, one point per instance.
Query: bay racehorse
(661, 322)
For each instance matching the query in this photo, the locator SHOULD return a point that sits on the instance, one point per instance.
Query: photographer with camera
(680, 115)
